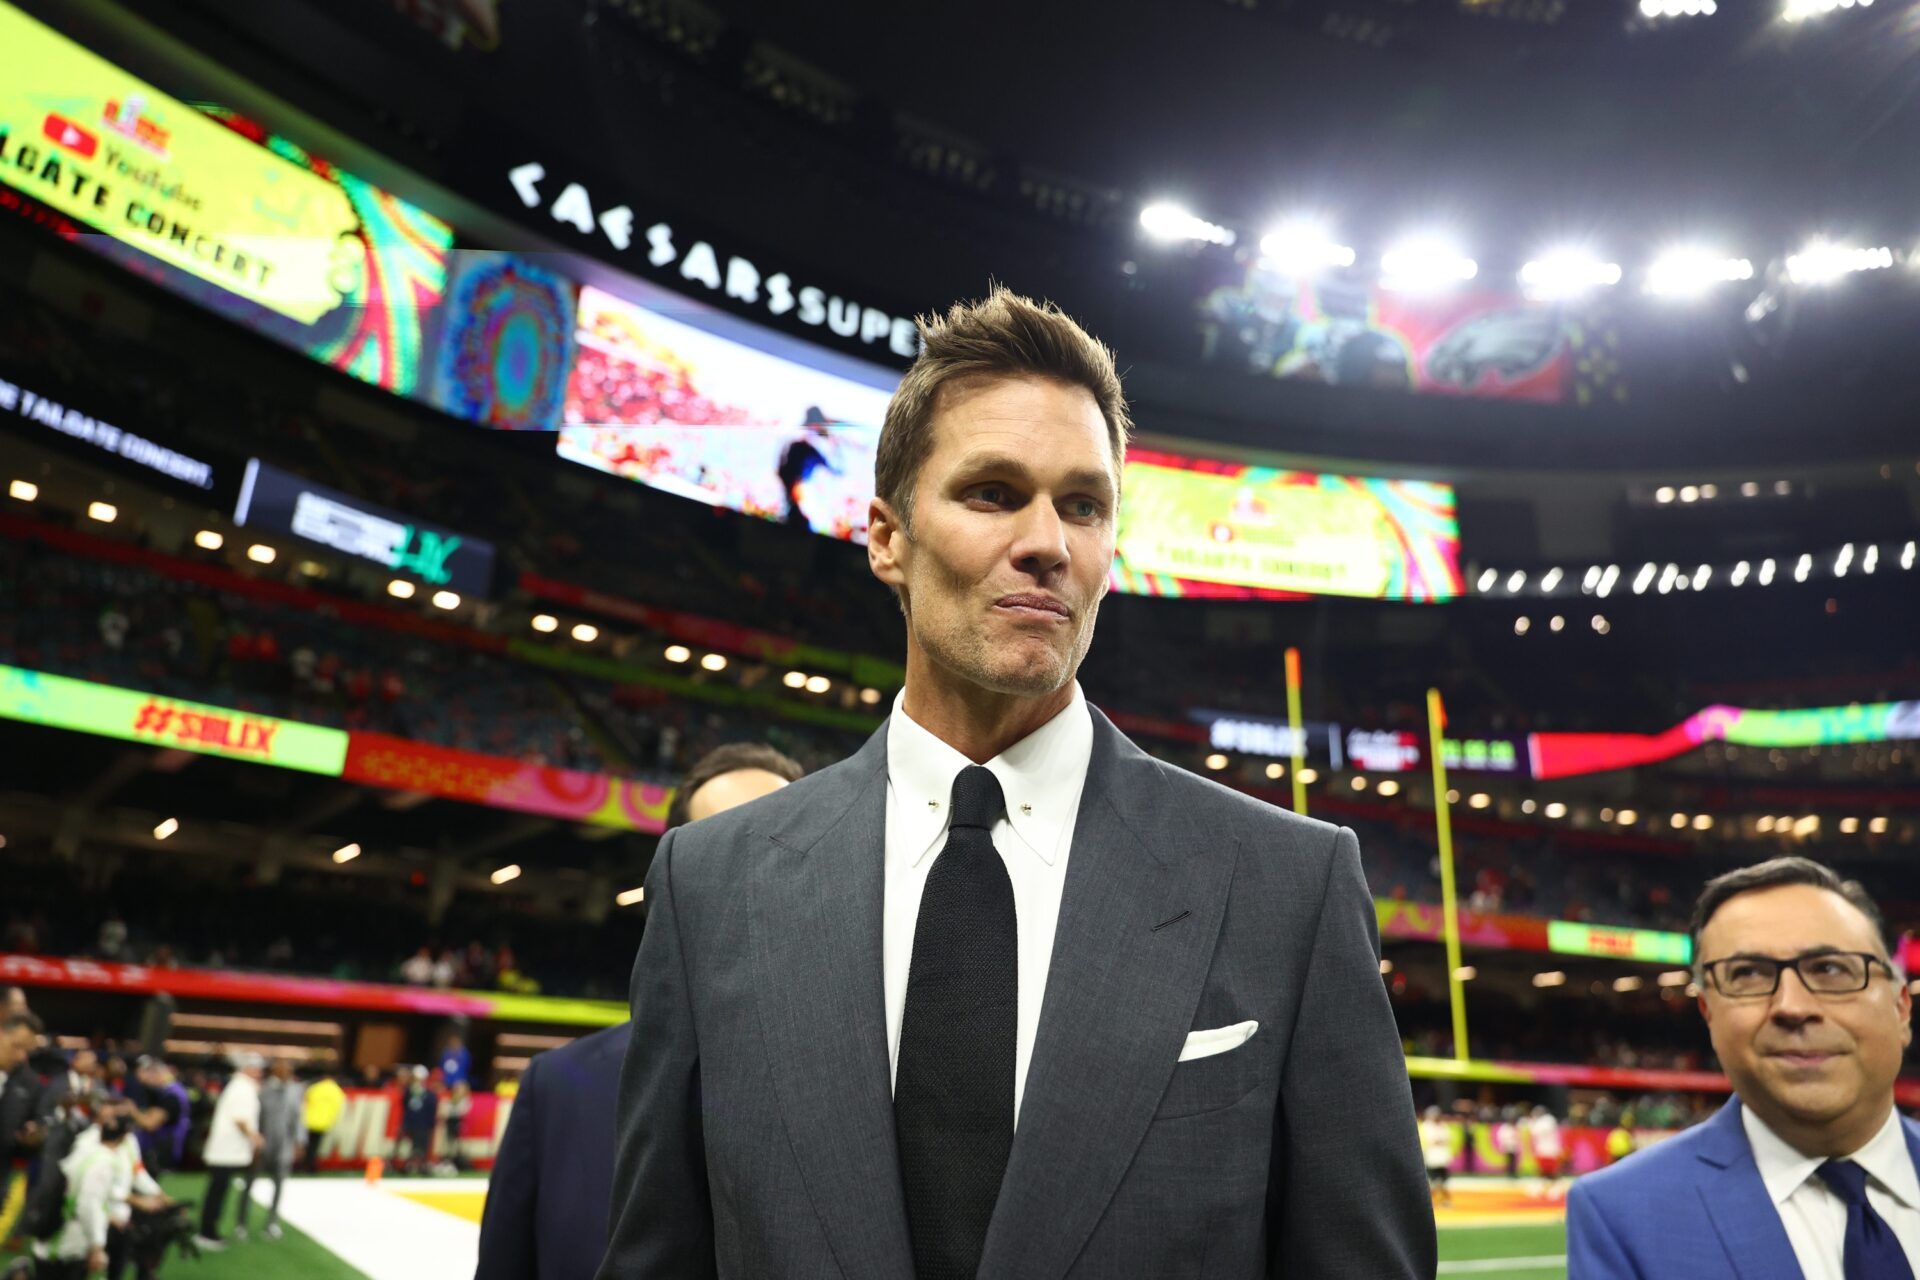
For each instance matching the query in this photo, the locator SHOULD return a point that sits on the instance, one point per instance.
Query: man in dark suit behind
(1002, 995)
(24, 1101)
(552, 1179)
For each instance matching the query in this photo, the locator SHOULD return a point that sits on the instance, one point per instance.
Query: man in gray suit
(1002, 995)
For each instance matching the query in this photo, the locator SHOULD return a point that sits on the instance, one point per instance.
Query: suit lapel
(818, 900)
(1119, 1002)
(1737, 1201)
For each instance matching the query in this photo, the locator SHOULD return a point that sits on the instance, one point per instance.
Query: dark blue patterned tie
(1873, 1252)
(953, 1084)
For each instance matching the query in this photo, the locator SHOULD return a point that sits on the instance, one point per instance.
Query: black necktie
(1872, 1252)
(953, 1084)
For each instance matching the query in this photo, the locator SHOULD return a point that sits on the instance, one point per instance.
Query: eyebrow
(986, 464)
(1808, 954)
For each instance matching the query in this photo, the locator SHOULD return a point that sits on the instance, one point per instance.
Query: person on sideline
(233, 1140)
(841, 1060)
(1809, 1163)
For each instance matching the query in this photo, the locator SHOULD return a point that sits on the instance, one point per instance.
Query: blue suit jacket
(552, 1182)
(1691, 1208)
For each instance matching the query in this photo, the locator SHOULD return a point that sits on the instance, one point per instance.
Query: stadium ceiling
(1509, 117)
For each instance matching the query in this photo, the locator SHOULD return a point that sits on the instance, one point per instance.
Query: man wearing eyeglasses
(1809, 1172)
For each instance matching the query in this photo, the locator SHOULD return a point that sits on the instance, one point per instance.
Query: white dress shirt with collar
(1041, 776)
(1814, 1216)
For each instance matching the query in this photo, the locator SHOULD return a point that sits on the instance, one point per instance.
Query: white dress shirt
(1041, 777)
(1814, 1216)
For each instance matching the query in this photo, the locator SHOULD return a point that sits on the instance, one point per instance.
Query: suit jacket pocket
(1215, 1081)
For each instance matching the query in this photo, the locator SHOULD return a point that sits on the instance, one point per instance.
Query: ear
(1904, 1002)
(888, 544)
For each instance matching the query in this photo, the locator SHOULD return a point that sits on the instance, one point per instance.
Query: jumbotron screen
(690, 400)
(1194, 526)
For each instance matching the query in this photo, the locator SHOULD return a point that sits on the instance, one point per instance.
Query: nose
(1040, 541)
(1793, 1005)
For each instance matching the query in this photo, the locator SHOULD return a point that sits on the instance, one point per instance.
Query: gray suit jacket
(756, 1115)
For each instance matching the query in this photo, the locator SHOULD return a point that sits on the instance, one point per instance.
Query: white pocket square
(1204, 1044)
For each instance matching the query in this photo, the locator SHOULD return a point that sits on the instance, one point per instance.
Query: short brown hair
(731, 758)
(1773, 874)
(1002, 335)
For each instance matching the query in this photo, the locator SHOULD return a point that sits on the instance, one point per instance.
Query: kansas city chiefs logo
(64, 132)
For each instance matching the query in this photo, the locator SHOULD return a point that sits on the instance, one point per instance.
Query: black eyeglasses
(1826, 973)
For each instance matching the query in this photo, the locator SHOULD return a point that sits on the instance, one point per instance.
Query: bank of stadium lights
(1567, 273)
(545, 623)
(166, 828)
(1164, 220)
(1690, 273)
(1802, 10)
(446, 600)
(208, 540)
(261, 553)
(1425, 264)
(630, 897)
(23, 490)
(104, 512)
(346, 853)
(1304, 247)
(677, 653)
(509, 872)
(1822, 262)
(585, 632)
(1656, 9)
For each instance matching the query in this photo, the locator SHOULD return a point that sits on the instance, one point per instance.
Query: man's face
(1012, 534)
(86, 1063)
(15, 1045)
(1819, 1060)
(724, 791)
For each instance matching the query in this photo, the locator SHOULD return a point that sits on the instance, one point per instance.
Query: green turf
(1476, 1252)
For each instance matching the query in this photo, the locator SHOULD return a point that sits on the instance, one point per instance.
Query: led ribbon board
(1650, 945)
(1564, 755)
(283, 502)
(61, 703)
(105, 148)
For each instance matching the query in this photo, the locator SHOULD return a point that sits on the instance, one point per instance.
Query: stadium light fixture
(1600, 624)
(1848, 826)
(1309, 776)
(795, 680)
(1631, 982)
(1667, 577)
(1749, 488)
(1657, 9)
(1689, 273)
(1703, 822)
(818, 684)
(509, 872)
(1689, 493)
(1679, 821)
(1567, 273)
(1528, 805)
(629, 897)
(1304, 247)
(715, 662)
(1674, 978)
(1388, 787)
(1843, 561)
(1164, 220)
(1556, 810)
(1708, 492)
(1522, 625)
(1808, 825)
(585, 632)
(1515, 581)
(1359, 782)
(1822, 262)
(1590, 579)
(446, 600)
(1606, 815)
(1906, 555)
(1479, 800)
(104, 512)
(1466, 973)
(1556, 624)
(1386, 967)
(1766, 572)
(1644, 578)
(1453, 796)
(208, 540)
(400, 589)
(1551, 978)
(869, 697)
(1552, 579)
(1276, 771)
(166, 828)
(1802, 568)
(261, 553)
(1216, 762)
(1878, 826)
(677, 653)
(1488, 577)
(1764, 823)
(1781, 488)
(1870, 558)
(1608, 580)
(24, 490)
(1740, 574)
(1425, 264)
(1702, 576)
(1802, 10)
(1665, 494)
(1628, 817)
(545, 623)
(346, 853)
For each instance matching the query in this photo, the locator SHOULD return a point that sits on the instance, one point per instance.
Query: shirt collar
(1041, 776)
(1783, 1168)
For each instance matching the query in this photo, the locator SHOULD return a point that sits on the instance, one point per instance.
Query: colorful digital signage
(1650, 945)
(56, 701)
(1202, 527)
(1563, 755)
(285, 503)
(691, 401)
(84, 428)
(241, 221)
(500, 347)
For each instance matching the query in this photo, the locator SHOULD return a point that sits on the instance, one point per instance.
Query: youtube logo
(64, 132)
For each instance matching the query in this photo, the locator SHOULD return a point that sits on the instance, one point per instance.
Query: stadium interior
(1524, 449)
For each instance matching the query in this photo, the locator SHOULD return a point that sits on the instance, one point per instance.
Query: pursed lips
(1035, 606)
